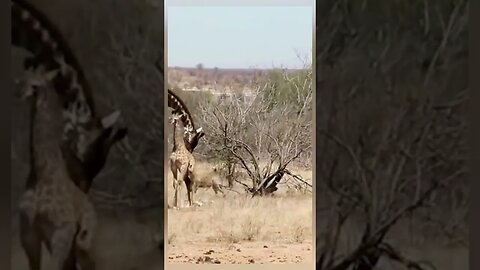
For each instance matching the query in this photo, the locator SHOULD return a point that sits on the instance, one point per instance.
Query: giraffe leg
(195, 187)
(219, 188)
(31, 243)
(214, 187)
(176, 187)
(189, 181)
(61, 242)
(182, 177)
(175, 196)
(84, 259)
(190, 192)
(173, 168)
(69, 263)
(83, 241)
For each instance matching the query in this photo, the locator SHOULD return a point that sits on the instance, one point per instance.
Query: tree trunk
(269, 185)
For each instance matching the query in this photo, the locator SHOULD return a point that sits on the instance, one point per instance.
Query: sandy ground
(238, 229)
(240, 253)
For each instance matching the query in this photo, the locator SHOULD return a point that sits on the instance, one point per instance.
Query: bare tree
(262, 133)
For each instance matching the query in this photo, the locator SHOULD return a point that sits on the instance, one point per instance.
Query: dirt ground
(238, 229)
(240, 253)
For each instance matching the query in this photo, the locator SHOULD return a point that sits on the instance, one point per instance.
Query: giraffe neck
(178, 142)
(174, 137)
(180, 108)
(46, 135)
(31, 30)
(31, 125)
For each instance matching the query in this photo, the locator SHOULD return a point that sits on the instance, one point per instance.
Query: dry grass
(241, 218)
(283, 219)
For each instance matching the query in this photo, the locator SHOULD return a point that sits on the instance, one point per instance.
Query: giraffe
(88, 137)
(192, 135)
(182, 162)
(53, 210)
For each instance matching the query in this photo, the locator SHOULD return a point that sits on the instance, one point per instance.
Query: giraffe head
(173, 119)
(32, 80)
(188, 131)
(99, 137)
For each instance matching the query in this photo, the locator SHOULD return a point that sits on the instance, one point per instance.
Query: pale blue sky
(239, 36)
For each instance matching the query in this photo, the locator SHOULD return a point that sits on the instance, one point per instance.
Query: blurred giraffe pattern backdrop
(392, 135)
(118, 47)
